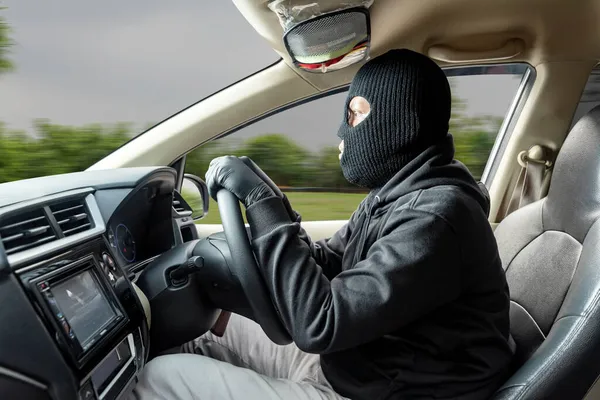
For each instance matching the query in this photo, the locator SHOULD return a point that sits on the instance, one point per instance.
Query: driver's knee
(171, 377)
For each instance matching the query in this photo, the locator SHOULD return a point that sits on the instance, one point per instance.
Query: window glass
(590, 97)
(80, 78)
(297, 147)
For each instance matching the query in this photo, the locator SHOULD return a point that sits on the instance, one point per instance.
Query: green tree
(56, 149)
(474, 137)
(329, 173)
(76, 148)
(16, 149)
(473, 149)
(282, 159)
(6, 43)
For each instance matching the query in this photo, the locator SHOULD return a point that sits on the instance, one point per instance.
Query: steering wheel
(244, 264)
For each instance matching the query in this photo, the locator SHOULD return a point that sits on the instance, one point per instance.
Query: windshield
(78, 79)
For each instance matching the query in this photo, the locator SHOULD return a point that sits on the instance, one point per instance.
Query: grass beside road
(312, 206)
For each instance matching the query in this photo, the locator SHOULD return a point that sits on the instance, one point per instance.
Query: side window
(483, 98)
(590, 97)
(297, 147)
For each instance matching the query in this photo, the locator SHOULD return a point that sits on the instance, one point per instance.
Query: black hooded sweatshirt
(408, 299)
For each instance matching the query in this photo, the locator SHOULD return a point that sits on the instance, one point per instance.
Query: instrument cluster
(142, 226)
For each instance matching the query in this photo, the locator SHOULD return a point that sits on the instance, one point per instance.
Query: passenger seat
(550, 251)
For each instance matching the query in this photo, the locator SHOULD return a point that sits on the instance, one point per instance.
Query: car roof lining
(550, 30)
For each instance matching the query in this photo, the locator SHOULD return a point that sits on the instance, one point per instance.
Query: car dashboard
(73, 324)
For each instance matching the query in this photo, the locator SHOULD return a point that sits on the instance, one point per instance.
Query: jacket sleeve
(328, 253)
(410, 271)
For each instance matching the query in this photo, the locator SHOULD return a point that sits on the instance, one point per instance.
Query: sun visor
(325, 36)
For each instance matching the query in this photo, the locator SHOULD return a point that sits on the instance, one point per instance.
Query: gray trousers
(243, 364)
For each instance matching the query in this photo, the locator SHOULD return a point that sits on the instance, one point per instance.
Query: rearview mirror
(195, 193)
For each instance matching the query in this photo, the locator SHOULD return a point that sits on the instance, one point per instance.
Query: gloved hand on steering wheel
(231, 173)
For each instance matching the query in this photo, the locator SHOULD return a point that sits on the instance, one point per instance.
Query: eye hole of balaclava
(358, 109)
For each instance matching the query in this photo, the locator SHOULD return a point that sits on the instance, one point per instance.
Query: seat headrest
(573, 202)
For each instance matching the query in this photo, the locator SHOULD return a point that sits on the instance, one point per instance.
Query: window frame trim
(508, 125)
(594, 72)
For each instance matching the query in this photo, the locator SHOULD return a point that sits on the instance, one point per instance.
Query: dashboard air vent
(72, 216)
(26, 230)
(180, 205)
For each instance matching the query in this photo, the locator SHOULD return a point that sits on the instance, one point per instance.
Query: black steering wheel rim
(245, 267)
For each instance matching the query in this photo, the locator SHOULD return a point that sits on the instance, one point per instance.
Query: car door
(297, 147)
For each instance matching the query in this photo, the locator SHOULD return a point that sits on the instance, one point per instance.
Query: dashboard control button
(87, 392)
(111, 238)
(67, 328)
(109, 261)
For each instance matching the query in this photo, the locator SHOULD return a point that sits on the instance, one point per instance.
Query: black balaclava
(410, 102)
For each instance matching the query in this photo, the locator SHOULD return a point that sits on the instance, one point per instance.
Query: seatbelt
(534, 177)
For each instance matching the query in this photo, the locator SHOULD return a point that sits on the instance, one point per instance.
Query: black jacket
(408, 299)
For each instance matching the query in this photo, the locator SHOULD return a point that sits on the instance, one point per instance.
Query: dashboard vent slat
(68, 209)
(26, 230)
(177, 206)
(34, 243)
(23, 223)
(180, 207)
(83, 227)
(72, 216)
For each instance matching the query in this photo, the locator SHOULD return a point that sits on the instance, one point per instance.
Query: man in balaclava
(407, 300)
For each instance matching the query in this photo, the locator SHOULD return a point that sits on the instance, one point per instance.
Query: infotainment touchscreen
(84, 305)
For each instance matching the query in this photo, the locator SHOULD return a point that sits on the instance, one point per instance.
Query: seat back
(550, 251)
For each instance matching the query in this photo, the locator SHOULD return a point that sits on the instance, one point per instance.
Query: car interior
(96, 266)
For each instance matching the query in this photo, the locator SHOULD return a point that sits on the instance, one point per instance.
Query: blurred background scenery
(79, 80)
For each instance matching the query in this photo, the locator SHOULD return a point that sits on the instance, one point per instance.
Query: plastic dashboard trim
(99, 227)
(131, 360)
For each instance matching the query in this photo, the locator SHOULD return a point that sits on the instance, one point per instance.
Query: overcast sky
(143, 60)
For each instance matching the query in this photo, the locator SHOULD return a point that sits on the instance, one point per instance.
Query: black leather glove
(229, 172)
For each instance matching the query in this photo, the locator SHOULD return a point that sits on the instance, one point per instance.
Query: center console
(97, 321)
